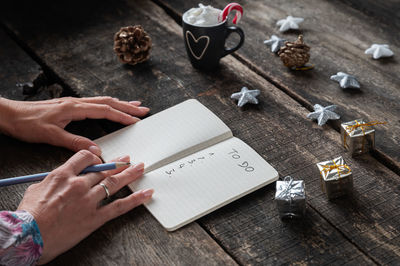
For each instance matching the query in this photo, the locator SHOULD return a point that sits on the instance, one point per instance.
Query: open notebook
(192, 161)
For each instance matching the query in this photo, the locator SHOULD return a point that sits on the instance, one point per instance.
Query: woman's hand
(44, 121)
(66, 206)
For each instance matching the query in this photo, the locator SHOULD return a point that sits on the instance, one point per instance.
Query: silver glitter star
(275, 42)
(379, 50)
(289, 23)
(345, 80)
(246, 96)
(323, 114)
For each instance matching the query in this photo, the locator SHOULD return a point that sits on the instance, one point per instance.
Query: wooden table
(65, 49)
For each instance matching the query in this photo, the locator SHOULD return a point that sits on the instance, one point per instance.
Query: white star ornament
(379, 50)
(289, 23)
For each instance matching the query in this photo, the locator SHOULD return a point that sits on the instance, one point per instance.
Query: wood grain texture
(278, 130)
(355, 230)
(136, 238)
(16, 68)
(338, 35)
(385, 11)
(250, 228)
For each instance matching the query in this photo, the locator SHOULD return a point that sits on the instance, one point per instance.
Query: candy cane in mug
(232, 6)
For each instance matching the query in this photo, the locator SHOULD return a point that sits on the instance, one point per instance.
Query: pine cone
(132, 45)
(295, 54)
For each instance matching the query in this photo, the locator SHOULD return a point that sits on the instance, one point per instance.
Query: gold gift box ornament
(336, 178)
(358, 137)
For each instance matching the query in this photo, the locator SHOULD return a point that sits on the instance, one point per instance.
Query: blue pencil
(41, 176)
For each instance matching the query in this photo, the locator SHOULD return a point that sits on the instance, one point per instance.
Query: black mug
(205, 45)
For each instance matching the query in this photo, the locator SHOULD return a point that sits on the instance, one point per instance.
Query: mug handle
(240, 32)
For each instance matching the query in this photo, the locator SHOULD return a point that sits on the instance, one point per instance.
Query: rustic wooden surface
(384, 11)
(17, 68)
(362, 229)
(338, 35)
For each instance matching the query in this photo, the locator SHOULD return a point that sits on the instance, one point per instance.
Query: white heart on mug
(196, 41)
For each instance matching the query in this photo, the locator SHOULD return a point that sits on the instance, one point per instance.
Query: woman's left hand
(44, 121)
(66, 205)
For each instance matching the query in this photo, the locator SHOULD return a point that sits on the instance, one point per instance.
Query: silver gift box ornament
(358, 136)
(290, 198)
(336, 178)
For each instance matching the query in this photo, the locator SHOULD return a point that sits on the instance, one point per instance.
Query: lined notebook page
(196, 185)
(166, 136)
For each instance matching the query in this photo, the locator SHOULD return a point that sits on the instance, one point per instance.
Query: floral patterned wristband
(20, 239)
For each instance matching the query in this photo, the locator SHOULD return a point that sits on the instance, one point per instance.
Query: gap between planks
(345, 236)
(378, 155)
(48, 72)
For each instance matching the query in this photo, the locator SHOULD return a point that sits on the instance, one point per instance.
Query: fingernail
(125, 158)
(148, 192)
(139, 167)
(137, 103)
(135, 119)
(95, 150)
(132, 120)
(144, 109)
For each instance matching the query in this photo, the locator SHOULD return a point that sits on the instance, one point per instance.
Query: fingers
(62, 138)
(132, 108)
(118, 181)
(101, 111)
(93, 179)
(80, 161)
(125, 159)
(136, 103)
(121, 206)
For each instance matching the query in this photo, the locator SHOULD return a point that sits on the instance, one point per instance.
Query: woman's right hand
(66, 205)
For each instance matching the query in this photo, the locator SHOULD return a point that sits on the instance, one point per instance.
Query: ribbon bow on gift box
(340, 167)
(336, 177)
(327, 168)
(352, 128)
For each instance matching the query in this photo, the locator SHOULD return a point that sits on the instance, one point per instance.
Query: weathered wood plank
(279, 130)
(249, 229)
(386, 11)
(137, 239)
(16, 68)
(338, 35)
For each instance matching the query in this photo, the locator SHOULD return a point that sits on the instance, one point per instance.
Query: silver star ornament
(289, 23)
(323, 114)
(379, 50)
(346, 81)
(246, 96)
(275, 42)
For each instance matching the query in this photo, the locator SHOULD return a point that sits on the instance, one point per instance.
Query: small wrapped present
(336, 178)
(358, 136)
(290, 198)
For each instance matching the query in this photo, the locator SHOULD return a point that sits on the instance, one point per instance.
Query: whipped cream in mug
(202, 16)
